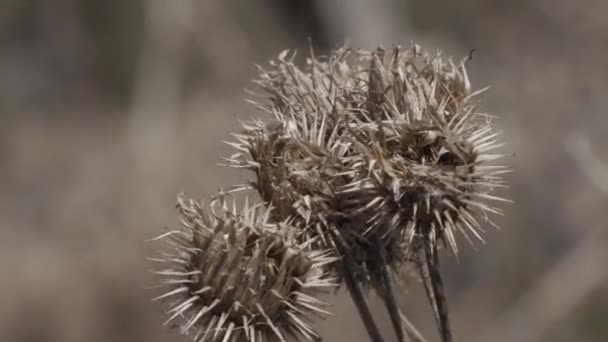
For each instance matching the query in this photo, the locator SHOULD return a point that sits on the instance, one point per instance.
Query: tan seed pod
(419, 169)
(296, 156)
(418, 175)
(234, 275)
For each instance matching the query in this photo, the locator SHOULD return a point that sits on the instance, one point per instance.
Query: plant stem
(433, 284)
(387, 290)
(355, 290)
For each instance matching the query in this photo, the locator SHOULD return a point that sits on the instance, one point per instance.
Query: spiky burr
(418, 175)
(234, 275)
(295, 166)
(420, 151)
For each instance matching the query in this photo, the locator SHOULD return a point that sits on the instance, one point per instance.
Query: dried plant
(234, 275)
(417, 174)
(383, 157)
(379, 158)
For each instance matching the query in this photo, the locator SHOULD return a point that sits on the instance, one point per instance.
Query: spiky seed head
(418, 170)
(233, 275)
(292, 172)
(296, 156)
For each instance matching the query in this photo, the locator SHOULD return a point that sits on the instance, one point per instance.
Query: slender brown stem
(387, 290)
(424, 274)
(398, 318)
(355, 290)
(433, 285)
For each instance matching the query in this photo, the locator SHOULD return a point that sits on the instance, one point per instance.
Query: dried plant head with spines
(296, 157)
(418, 173)
(419, 166)
(235, 275)
(293, 172)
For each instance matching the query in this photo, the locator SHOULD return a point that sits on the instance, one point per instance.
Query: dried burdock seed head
(235, 276)
(292, 171)
(293, 175)
(297, 155)
(417, 173)
(418, 170)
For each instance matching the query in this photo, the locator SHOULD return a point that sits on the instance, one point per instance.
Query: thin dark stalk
(399, 320)
(355, 290)
(433, 284)
(424, 274)
(388, 295)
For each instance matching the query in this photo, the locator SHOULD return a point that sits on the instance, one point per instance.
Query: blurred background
(109, 109)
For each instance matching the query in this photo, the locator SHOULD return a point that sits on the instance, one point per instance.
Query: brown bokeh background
(109, 109)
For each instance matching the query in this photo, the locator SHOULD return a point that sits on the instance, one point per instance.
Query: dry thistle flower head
(297, 155)
(418, 166)
(233, 275)
(417, 174)
(295, 172)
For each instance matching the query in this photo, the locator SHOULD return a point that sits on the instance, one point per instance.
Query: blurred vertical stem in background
(153, 120)
(364, 23)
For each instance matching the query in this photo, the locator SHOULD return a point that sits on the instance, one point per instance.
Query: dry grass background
(110, 108)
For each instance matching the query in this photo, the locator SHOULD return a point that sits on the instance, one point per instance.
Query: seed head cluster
(374, 158)
(392, 144)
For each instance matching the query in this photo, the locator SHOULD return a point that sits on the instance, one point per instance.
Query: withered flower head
(235, 275)
(418, 169)
(298, 154)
